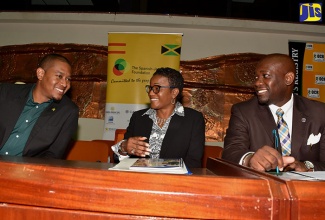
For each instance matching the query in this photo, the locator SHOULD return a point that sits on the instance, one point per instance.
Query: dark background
(267, 10)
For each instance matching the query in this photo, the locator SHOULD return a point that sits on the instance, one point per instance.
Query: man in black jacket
(38, 120)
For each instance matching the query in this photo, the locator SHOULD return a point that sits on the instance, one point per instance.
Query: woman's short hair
(174, 77)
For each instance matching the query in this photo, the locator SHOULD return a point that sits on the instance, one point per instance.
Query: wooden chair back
(95, 150)
(119, 135)
(211, 151)
(91, 151)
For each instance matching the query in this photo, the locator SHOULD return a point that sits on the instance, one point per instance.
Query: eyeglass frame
(150, 88)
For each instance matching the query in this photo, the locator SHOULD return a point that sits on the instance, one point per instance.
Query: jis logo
(310, 12)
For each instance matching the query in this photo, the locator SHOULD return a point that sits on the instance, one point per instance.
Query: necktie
(283, 133)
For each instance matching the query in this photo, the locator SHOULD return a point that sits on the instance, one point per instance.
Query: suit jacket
(52, 131)
(251, 125)
(185, 136)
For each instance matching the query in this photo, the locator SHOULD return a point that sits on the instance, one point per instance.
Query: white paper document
(292, 175)
(125, 165)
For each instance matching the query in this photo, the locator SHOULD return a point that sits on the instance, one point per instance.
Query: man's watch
(309, 165)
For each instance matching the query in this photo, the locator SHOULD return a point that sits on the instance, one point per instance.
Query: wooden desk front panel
(308, 199)
(17, 212)
(109, 193)
(281, 200)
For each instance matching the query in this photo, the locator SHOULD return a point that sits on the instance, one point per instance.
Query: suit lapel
(174, 126)
(146, 125)
(264, 114)
(43, 120)
(299, 125)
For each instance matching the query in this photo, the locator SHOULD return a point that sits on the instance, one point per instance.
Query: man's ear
(289, 78)
(40, 73)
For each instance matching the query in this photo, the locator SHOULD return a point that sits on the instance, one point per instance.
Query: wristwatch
(309, 165)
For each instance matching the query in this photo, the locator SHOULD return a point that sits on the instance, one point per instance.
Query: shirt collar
(286, 107)
(178, 110)
(31, 98)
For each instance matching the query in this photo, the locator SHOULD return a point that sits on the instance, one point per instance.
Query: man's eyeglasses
(156, 88)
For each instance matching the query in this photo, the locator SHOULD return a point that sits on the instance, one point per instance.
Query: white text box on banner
(314, 72)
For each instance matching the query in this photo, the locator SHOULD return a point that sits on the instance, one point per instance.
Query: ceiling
(62, 2)
(272, 10)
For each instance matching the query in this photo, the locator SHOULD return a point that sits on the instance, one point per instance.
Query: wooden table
(32, 188)
(307, 198)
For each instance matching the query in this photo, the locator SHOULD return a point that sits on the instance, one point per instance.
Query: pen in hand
(276, 146)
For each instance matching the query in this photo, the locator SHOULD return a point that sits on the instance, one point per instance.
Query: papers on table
(293, 175)
(151, 167)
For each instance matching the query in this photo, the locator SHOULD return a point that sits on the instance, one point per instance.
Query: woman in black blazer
(166, 129)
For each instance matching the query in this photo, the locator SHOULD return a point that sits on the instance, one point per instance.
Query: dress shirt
(157, 134)
(24, 125)
(288, 112)
(287, 116)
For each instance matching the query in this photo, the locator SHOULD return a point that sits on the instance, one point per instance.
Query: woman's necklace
(160, 121)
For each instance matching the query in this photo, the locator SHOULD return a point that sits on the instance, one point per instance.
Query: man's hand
(296, 166)
(267, 158)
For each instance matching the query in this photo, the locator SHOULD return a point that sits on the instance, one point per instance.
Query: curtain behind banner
(132, 59)
(310, 69)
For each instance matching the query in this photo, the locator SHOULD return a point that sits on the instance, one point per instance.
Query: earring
(173, 101)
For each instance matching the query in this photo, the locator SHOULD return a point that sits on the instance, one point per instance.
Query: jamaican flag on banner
(171, 50)
(132, 59)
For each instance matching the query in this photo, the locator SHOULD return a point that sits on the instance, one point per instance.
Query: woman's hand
(136, 146)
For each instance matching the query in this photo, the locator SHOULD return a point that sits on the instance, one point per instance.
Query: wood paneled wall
(212, 84)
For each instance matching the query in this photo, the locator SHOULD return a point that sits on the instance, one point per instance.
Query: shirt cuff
(115, 149)
(243, 157)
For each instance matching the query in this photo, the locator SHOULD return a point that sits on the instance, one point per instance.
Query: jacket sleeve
(236, 141)
(195, 152)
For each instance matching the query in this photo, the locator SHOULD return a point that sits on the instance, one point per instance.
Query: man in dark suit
(166, 129)
(38, 120)
(250, 140)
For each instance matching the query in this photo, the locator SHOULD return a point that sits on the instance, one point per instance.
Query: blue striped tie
(283, 133)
